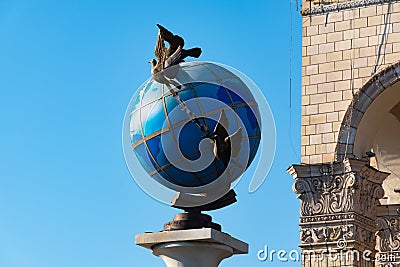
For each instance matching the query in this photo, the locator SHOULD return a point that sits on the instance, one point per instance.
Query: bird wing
(159, 52)
(174, 41)
(174, 59)
(236, 142)
(221, 129)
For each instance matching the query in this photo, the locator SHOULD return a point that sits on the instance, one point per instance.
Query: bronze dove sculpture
(226, 145)
(173, 55)
(166, 68)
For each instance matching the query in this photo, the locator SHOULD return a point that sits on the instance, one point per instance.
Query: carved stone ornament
(339, 234)
(326, 234)
(338, 202)
(342, 6)
(388, 235)
(388, 228)
(338, 188)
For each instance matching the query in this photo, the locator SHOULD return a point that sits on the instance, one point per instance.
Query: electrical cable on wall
(384, 40)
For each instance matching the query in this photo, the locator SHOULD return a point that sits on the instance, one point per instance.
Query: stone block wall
(343, 46)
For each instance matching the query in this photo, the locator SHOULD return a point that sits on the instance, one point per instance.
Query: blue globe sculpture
(167, 141)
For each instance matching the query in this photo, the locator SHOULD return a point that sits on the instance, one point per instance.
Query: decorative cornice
(339, 218)
(341, 6)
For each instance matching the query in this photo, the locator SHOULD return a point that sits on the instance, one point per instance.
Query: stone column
(205, 247)
(338, 212)
(388, 236)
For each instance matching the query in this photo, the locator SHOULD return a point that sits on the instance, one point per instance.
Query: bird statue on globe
(194, 129)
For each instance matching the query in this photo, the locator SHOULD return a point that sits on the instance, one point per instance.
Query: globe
(172, 146)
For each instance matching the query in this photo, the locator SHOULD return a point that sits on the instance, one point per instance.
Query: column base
(191, 220)
(192, 253)
(204, 247)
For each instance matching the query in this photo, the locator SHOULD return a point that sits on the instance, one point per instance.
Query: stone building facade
(350, 133)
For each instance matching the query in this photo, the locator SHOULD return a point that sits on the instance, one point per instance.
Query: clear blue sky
(67, 72)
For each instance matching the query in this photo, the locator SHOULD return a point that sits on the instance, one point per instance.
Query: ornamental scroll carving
(339, 203)
(326, 234)
(325, 194)
(388, 234)
(338, 233)
(332, 192)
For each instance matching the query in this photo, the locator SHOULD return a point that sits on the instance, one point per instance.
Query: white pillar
(204, 247)
(192, 253)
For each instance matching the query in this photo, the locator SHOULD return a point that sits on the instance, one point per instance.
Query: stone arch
(372, 124)
(362, 100)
